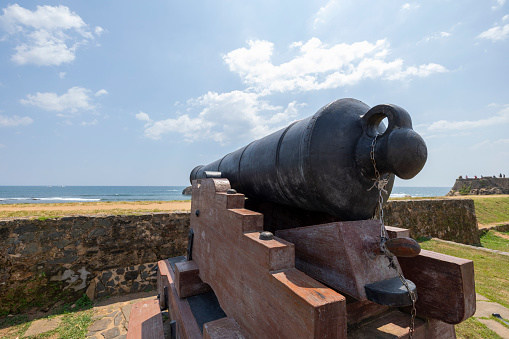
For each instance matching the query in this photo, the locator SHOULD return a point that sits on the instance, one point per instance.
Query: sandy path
(164, 206)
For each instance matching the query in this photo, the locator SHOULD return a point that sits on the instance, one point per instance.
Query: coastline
(91, 208)
(54, 210)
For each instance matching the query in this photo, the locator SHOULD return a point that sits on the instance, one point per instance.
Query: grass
(492, 210)
(491, 270)
(495, 240)
(473, 329)
(74, 325)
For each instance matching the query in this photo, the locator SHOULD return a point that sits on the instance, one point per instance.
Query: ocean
(54, 194)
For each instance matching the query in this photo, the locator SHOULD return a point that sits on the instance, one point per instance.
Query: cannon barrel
(323, 162)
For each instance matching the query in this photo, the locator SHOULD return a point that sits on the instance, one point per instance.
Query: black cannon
(326, 162)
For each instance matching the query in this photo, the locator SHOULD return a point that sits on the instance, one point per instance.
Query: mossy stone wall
(69, 253)
(447, 219)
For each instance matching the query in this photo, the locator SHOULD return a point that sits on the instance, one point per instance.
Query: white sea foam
(65, 199)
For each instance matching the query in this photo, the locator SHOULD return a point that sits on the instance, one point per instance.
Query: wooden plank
(145, 321)
(439, 329)
(187, 280)
(275, 254)
(225, 328)
(397, 232)
(445, 285)
(392, 325)
(237, 265)
(358, 311)
(187, 328)
(340, 254)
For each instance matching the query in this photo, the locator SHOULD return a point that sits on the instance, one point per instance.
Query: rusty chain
(380, 184)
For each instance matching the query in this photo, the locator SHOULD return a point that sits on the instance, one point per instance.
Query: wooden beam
(187, 280)
(445, 285)
(145, 321)
(222, 329)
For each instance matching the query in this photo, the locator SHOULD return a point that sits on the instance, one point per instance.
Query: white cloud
(502, 142)
(319, 66)
(223, 117)
(101, 92)
(143, 117)
(15, 120)
(76, 98)
(488, 144)
(495, 33)
(98, 31)
(89, 123)
(408, 6)
(498, 5)
(325, 12)
(48, 36)
(502, 117)
(2, 146)
(435, 36)
(61, 75)
(248, 113)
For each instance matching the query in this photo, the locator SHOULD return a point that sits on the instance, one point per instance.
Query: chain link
(380, 184)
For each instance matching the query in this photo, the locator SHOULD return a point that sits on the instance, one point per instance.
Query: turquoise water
(52, 194)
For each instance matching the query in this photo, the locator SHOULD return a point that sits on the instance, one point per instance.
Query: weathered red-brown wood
(187, 280)
(145, 321)
(340, 254)
(445, 285)
(179, 309)
(225, 328)
(397, 232)
(255, 280)
(396, 324)
(390, 326)
(360, 310)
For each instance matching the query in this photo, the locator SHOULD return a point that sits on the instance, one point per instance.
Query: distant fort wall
(480, 186)
(43, 261)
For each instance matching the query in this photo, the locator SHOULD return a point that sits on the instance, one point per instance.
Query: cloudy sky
(138, 93)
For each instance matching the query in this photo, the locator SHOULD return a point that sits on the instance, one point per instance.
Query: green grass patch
(495, 241)
(491, 269)
(474, 329)
(75, 325)
(492, 210)
(76, 318)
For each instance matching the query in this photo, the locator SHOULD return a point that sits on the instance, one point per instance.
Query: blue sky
(138, 93)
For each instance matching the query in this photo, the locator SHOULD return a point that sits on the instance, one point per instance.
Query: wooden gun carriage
(300, 261)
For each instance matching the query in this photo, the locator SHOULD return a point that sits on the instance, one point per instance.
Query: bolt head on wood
(266, 235)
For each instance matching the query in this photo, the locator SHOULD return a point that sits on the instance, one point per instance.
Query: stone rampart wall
(102, 254)
(447, 219)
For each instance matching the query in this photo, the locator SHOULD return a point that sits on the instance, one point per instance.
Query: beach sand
(65, 209)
